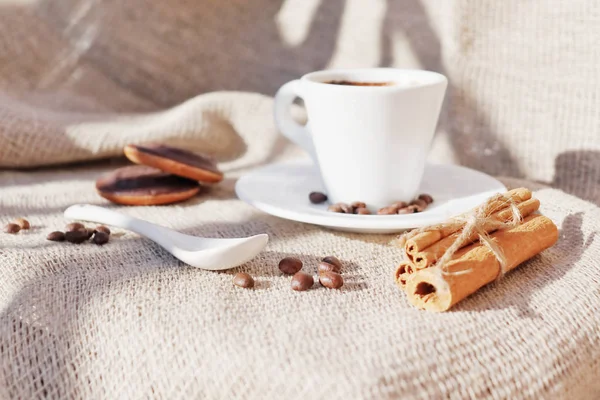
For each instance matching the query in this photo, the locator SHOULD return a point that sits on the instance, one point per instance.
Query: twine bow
(474, 222)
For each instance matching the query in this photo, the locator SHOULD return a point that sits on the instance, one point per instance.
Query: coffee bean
(399, 204)
(331, 280)
(326, 267)
(335, 208)
(12, 228)
(73, 226)
(362, 211)
(302, 281)
(333, 261)
(100, 238)
(77, 236)
(341, 208)
(244, 280)
(413, 209)
(290, 265)
(358, 204)
(418, 202)
(23, 223)
(406, 210)
(317, 197)
(102, 228)
(387, 210)
(346, 208)
(426, 197)
(56, 236)
(420, 205)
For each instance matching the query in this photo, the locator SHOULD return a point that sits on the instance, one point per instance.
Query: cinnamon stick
(431, 254)
(425, 239)
(403, 271)
(431, 290)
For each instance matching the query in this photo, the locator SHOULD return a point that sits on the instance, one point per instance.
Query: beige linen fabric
(126, 320)
(81, 78)
(220, 124)
(523, 97)
(522, 100)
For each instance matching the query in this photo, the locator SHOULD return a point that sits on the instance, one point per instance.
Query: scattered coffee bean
(73, 226)
(290, 265)
(413, 209)
(77, 236)
(331, 280)
(427, 198)
(317, 197)
(387, 210)
(420, 203)
(333, 261)
(302, 281)
(335, 208)
(417, 208)
(326, 267)
(56, 236)
(398, 207)
(406, 210)
(358, 204)
(12, 228)
(100, 238)
(244, 280)
(23, 223)
(346, 208)
(341, 208)
(399, 204)
(102, 228)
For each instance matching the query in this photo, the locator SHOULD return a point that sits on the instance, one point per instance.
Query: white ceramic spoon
(211, 254)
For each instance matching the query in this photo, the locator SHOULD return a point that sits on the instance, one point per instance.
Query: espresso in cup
(369, 130)
(351, 83)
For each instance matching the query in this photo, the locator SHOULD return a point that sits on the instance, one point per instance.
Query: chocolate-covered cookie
(175, 161)
(141, 185)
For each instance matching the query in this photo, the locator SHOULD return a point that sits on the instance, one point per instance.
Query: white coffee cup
(370, 142)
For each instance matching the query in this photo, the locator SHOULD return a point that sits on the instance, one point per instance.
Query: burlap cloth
(128, 321)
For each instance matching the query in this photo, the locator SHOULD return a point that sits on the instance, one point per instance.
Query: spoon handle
(100, 215)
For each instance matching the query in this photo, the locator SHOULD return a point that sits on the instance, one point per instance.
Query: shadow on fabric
(516, 286)
(577, 172)
(460, 114)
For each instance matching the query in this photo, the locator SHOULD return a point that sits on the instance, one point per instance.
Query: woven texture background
(79, 79)
(523, 96)
(126, 320)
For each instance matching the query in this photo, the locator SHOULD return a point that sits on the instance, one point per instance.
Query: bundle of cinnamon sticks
(476, 262)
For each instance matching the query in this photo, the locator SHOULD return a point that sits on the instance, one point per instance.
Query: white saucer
(282, 190)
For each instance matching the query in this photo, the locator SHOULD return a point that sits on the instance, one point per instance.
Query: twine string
(475, 222)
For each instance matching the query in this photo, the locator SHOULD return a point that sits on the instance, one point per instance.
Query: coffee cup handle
(285, 123)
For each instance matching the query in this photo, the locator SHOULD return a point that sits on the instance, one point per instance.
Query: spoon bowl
(206, 253)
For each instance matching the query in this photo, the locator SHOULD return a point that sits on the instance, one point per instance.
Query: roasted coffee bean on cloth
(244, 280)
(12, 228)
(56, 236)
(290, 265)
(331, 280)
(302, 281)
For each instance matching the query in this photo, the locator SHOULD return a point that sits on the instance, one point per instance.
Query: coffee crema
(354, 83)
